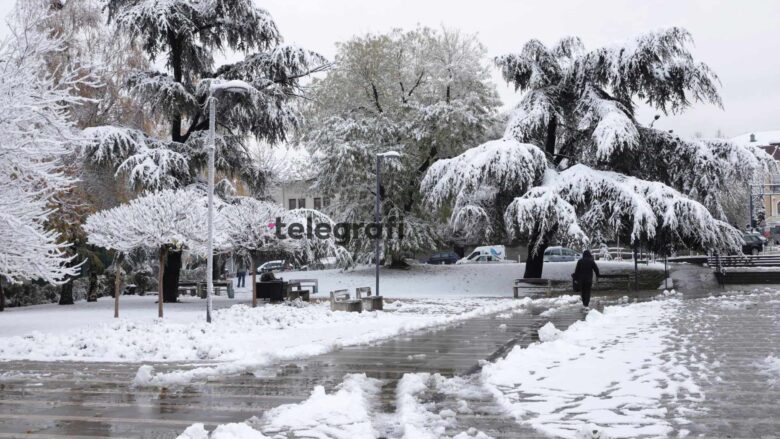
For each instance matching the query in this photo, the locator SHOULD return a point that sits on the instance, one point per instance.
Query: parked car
(487, 253)
(753, 244)
(560, 254)
(274, 266)
(443, 258)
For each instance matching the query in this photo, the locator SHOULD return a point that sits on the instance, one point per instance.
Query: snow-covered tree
(423, 93)
(186, 34)
(576, 139)
(161, 221)
(35, 133)
(250, 227)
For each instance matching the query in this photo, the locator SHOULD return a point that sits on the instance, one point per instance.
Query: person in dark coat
(241, 274)
(583, 274)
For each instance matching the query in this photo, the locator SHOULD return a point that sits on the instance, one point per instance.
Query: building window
(292, 203)
(301, 203)
(777, 212)
(318, 203)
(325, 201)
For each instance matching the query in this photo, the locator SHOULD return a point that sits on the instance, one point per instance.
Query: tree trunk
(2, 296)
(549, 142)
(254, 279)
(171, 279)
(535, 263)
(66, 293)
(92, 290)
(117, 289)
(163, 251)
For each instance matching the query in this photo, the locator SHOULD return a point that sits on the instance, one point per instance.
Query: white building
(297, 194)
(293, 173)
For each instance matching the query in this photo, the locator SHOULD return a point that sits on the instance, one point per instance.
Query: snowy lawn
(468, 280)
(240, 338)
(608, 373)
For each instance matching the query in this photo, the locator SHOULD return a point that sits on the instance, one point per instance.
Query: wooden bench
(727, 269)
(340, 301)
(531, 286)
(370, 303)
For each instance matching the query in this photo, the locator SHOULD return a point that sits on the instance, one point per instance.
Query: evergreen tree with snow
(186, 34)
(35, 133)
(575, 164)
(425, 94)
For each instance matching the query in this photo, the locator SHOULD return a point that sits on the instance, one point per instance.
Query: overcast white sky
(740, 40)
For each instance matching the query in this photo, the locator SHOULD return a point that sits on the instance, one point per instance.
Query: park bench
(370, 303)
(340, 301)
(199, 288)
(531, 287)
(189, 287)
(303, 289)
(746, 269)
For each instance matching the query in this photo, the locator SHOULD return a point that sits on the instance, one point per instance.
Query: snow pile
(549, 332)
(345, 413)
(609, 370)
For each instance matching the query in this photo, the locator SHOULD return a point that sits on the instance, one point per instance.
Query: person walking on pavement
(583, 274)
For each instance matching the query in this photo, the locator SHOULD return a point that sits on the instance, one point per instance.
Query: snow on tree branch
(161, 93)
(250, 225)
(504, 165)
(35, 133)
(581, 201)
(174, 218)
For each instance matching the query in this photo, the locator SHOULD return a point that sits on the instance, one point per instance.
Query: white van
(487, 253)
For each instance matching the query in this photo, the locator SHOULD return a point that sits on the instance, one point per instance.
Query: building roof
(769, 141)
(758, 138)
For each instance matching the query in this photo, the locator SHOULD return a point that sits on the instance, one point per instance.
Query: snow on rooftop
(762, 138)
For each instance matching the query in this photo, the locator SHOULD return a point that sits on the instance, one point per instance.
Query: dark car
(753, 244)
(443, 258)
(274, 266)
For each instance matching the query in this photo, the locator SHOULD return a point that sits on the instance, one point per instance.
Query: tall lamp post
(215, 87)
(378, 208)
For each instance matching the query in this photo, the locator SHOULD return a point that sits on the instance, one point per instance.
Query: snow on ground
(240, 338)
(610, 370)
(467, 280)
(353, 411)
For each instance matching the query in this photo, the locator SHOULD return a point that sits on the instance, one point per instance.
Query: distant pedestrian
(241, 274)
(583, 275)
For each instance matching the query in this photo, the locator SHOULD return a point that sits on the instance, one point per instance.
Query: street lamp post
(215, 86)
(210, 247)
(378, 209)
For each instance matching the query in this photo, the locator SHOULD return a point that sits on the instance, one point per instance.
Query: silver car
(560, 254)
